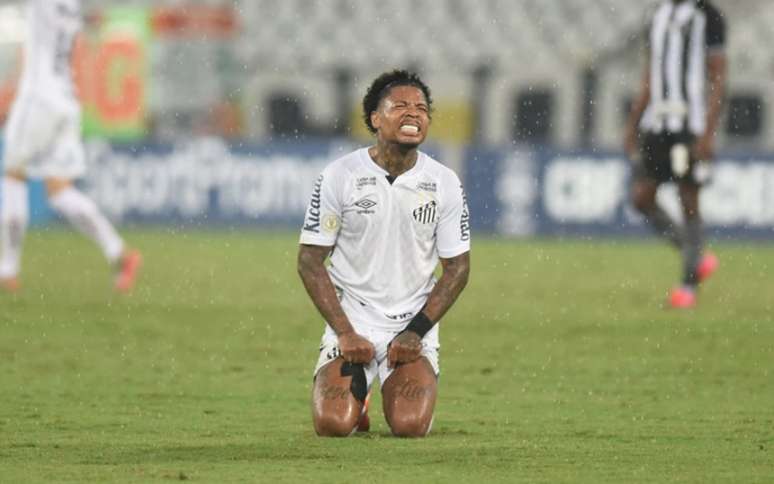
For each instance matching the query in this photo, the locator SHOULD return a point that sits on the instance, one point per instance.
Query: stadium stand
(528, 45)
(453, 34)
(307, 60)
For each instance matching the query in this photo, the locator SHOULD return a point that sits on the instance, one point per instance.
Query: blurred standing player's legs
(42, 140)
(674, 120)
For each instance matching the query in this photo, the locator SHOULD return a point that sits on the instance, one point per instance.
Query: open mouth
(409, 129)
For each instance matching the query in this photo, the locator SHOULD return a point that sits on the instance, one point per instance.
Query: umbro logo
(365, 203)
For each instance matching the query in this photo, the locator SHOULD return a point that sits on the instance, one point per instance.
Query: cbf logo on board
(426, 213)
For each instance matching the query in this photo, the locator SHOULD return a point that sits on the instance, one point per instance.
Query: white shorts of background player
(43, 140)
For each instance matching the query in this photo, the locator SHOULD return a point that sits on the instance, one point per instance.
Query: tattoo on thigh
(333, 392)
(413, 390)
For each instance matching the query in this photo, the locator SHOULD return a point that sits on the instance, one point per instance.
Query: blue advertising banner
(548, 193)
(206, 182)
(511, 192)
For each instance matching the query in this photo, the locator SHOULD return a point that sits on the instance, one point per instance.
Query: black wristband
(420, 324)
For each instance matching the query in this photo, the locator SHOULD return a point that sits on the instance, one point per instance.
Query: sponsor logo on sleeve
(312, 223)
(426, 214)
(465, 218)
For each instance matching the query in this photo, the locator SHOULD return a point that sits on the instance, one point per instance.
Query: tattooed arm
(311, 268)
(407, 346)
(453, 280)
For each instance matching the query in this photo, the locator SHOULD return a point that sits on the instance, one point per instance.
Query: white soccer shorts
(370, 323)
(42, 141)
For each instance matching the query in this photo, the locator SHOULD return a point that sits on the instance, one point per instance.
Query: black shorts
(666, 157)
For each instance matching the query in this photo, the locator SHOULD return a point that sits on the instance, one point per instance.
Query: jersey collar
(371, 165)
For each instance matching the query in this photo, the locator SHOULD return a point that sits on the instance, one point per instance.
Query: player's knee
(332, 425)
(409, 426)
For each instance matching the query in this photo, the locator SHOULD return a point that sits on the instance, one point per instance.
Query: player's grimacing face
(403, 116)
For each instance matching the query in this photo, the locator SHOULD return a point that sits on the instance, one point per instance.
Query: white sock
(14, 216)
(84, 215)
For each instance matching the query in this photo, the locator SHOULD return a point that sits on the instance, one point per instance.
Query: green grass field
(558, 365)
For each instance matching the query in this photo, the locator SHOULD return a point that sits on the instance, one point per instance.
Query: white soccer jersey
(387, 238)
(52, 26)
(42, 135)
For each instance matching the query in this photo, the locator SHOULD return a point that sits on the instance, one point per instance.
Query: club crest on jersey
(365, 205)
(426, 213)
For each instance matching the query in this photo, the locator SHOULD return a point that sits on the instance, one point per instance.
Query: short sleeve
(453, 233)
(716, 29)
(322, 220)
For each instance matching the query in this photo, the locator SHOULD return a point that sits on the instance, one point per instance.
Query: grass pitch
(558, 365)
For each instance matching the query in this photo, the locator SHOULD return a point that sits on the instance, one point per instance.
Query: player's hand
(704, 148)
(404, 348)
(355, 348)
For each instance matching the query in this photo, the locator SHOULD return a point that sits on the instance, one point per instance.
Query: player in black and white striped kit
(670, 133)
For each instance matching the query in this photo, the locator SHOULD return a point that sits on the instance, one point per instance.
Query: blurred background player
(385, 215)
(675, 119)
(43, 140)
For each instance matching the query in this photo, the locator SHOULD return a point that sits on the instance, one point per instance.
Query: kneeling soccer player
(385, 215)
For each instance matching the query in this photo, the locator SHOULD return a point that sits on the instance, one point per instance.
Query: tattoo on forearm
(320, 288)
(447, 293)
(449, 287)
(333, 392)
(412, 390)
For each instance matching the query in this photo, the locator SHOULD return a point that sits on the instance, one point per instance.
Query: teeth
(409, 129)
